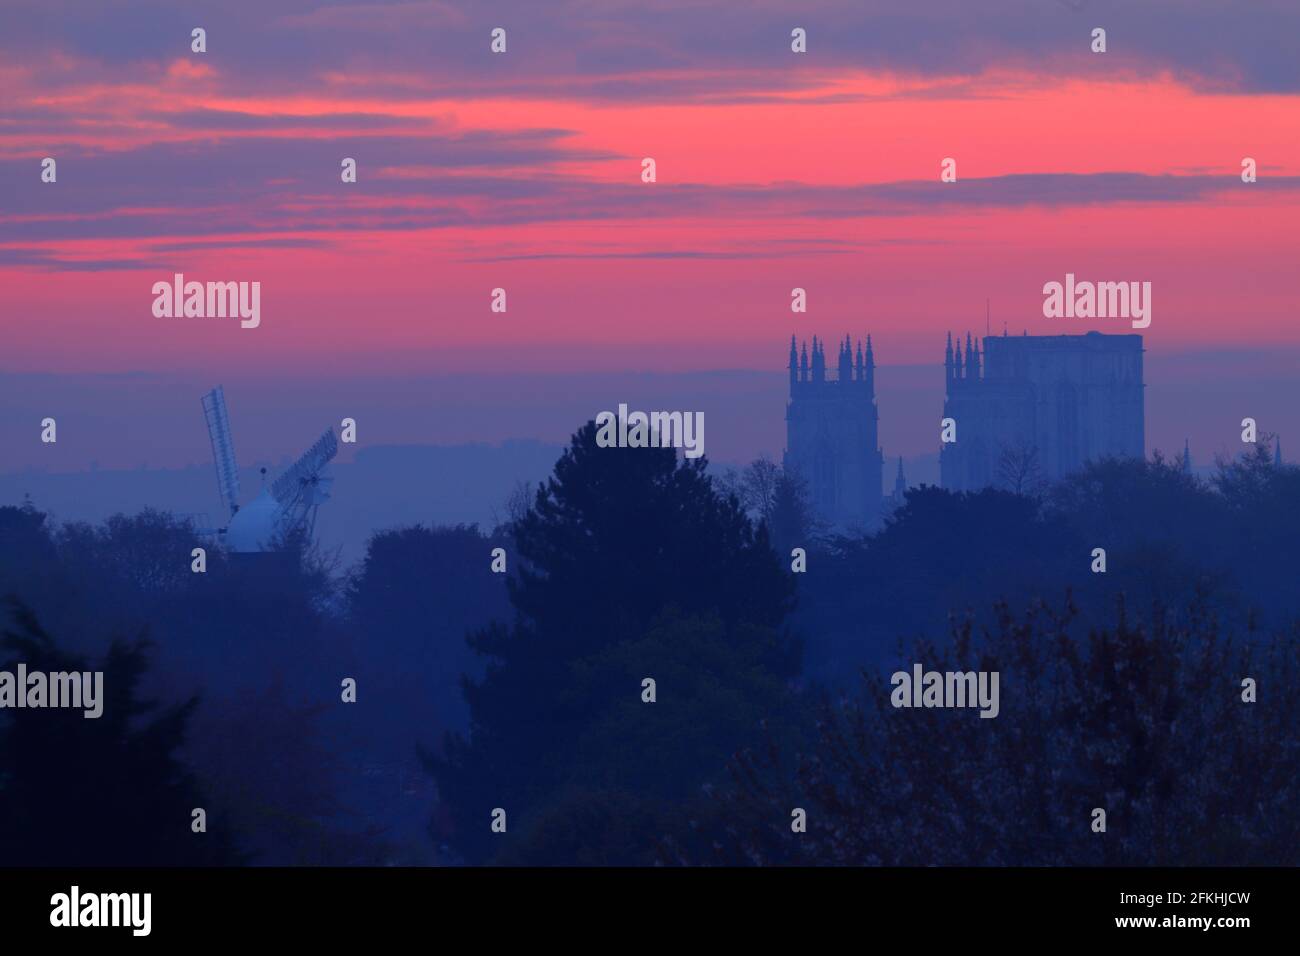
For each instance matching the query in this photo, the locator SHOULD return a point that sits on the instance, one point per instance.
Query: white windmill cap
(253, 527)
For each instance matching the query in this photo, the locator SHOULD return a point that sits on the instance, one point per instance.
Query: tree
(1163, 530)
(1259, 548)
(31, 565)
(1130, 500)
(1143, 718)
(1019, 470)
(1251, 477)
(518, 502)
(25, 532)
(275, 774)
(942, 551)
(793, 523)
(630, 564)
(106, 791)
(411, 600)
(758, 488)
(777, 498)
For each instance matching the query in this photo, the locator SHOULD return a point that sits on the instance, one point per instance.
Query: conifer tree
(105, 791)
(629, 564)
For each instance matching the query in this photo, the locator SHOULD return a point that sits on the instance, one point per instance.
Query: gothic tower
(1037, 407)
(831, 432)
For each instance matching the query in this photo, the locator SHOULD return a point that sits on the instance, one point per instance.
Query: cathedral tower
(831, 432)
(1037, 407)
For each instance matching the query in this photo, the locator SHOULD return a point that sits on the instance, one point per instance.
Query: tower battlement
(809, 377)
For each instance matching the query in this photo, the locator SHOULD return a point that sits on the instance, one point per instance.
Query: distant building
(899, 496)
(1035, 408)
(831, 433)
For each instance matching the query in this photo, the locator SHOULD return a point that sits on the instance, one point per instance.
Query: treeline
(1167, 536)
(649, 681)
(248, 659)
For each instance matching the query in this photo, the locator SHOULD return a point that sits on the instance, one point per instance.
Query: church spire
(1186, 463)
(869, 367)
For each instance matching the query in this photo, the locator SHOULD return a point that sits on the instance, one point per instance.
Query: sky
(522, 171)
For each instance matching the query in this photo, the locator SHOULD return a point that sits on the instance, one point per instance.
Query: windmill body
(284, 509)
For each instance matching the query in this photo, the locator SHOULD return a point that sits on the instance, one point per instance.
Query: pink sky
(775, 170)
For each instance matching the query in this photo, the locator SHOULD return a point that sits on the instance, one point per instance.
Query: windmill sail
(302, 477)
(223, 449)
(303, 486)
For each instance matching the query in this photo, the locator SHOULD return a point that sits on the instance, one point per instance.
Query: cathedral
(1035, 408)
(1024, 411)
(831, 437)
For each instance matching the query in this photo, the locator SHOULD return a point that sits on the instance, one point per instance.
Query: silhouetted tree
(1144, 719)
(631, 565)
(24, 531)
(779, 499)
(517, 504)
(758, 488)
(251, 630)
(1259, 549)
(1019, 470)
(1250, 477)
(411, 601)
(106, 791)
(1165, 532)
(1124, 502)
(32, 567)
(274, 773)
(941, 551)
(793, 523)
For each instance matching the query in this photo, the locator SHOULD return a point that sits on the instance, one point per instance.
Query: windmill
(287, 507)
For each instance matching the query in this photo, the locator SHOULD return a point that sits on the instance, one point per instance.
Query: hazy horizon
(128, 420)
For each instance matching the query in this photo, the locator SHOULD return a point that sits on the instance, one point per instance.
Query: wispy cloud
(626, 50)
(237, 191)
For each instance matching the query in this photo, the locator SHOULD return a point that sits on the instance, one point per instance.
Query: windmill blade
(304, 474)
(223, 449)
